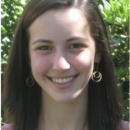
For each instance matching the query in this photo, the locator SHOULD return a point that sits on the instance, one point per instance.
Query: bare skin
(64, 116)
(64, 106)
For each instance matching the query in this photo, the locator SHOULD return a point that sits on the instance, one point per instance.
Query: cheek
(84, 61)
(39, 64)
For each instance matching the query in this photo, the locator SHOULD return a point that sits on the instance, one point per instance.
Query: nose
(60, 62)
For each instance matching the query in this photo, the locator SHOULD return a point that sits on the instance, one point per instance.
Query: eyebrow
(76, 38)
(68, 40)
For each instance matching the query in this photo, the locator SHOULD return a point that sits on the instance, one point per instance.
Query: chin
(67, 98)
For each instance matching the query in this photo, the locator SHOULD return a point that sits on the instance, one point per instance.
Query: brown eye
(45, 48)
(76, 46)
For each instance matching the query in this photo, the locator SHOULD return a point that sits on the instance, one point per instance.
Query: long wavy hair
(23, 104)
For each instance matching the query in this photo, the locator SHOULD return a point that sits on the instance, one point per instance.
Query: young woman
(60, 74)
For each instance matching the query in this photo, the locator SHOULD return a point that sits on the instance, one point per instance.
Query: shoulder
(7, 127)
(124, 125)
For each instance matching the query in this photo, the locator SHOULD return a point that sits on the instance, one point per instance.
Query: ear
(98, 57)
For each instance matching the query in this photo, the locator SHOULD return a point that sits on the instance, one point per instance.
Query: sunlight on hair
(83, 3)
(75, 2)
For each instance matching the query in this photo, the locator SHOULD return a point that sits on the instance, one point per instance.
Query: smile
(62, 80)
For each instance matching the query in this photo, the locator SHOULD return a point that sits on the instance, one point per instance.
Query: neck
(63, 116)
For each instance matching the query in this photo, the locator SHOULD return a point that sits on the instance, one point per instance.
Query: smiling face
(62, 53)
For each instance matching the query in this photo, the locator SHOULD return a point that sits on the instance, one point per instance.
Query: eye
(76, 46)
(45, 48)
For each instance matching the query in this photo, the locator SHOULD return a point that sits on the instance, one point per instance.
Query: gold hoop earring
(30, 81)
(96, 76)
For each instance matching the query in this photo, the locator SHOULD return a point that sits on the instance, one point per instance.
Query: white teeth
(63, 80)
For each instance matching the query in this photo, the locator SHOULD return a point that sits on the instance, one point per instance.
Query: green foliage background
(116, 17)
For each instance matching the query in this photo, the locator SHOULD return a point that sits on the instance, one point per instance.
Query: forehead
(72, 14)
(61, 21)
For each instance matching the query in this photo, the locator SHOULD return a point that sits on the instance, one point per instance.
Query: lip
(62, 85)
(62, 76)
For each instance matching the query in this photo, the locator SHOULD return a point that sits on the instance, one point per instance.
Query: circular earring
(30, 81)
(96, 76)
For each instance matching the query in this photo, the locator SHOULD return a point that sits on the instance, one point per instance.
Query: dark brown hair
(23, 103)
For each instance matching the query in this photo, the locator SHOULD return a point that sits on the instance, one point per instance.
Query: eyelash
(45, 47)
(78, 45)
(72, 46)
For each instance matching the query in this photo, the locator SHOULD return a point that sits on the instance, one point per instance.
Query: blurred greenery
(10, 13)
(116, 17)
